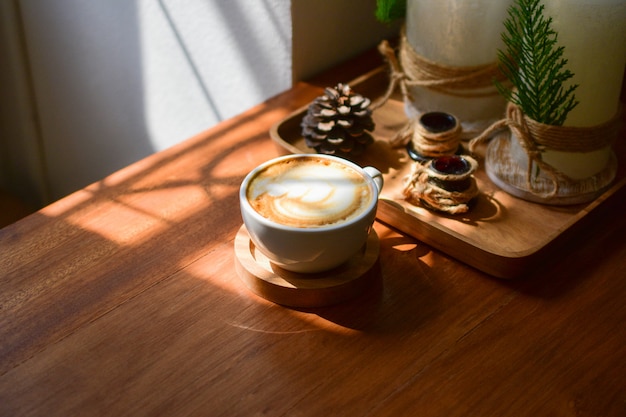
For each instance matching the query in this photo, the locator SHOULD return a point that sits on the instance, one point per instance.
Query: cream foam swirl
(309, 193)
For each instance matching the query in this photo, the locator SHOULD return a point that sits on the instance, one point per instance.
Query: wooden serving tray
(502, 235)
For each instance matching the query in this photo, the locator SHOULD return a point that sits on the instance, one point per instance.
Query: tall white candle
(593, 33)
(458, 33)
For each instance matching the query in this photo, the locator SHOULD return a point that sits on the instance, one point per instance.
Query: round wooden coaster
(304, 290)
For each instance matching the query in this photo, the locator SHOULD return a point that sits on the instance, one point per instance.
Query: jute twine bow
(409, 69)
(412, 70)
(535, 138)
(419, 188)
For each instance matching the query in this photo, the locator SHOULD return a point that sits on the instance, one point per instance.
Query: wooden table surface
(122, 299)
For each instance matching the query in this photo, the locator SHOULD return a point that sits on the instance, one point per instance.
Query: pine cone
(336, 123)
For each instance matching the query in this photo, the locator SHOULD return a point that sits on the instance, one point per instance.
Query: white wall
(97, 85)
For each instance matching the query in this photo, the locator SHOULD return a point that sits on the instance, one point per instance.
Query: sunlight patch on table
(132, 219)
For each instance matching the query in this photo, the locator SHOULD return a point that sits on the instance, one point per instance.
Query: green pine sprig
(389, 10)
(535, 65)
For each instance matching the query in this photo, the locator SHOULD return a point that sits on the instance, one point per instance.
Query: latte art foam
(309, 192)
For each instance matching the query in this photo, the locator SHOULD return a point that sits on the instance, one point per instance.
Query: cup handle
(377, 176)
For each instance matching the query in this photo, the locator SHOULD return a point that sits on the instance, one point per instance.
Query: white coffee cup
(318, 210)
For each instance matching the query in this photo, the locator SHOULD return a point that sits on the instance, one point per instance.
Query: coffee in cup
(309, 213)
(308, 192)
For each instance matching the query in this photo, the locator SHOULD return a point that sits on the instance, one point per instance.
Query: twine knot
(410, 69)
(535, 138)
(432, 189)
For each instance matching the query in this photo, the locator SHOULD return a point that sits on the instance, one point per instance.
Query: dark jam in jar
(438, 122)
(433, 123)
(450, 165)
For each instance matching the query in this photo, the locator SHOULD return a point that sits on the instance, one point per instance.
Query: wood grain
(123, 299)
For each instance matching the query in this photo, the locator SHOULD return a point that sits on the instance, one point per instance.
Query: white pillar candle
(458, 33)
(593, 33)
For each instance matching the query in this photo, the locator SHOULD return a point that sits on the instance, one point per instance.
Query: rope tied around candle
(535, 138)
(415, 70)
(409, 69)
(419, 187)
